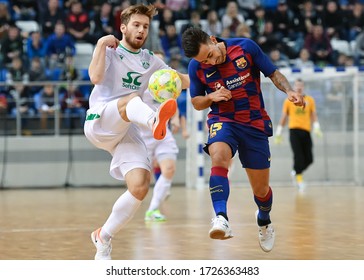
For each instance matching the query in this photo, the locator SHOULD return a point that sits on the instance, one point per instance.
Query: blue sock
(264, 206)
(219, 190)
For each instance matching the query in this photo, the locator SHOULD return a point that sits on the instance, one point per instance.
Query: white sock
(140, 113)
(160, 192)
(123, 210)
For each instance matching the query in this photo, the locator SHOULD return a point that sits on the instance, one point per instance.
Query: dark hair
(192, 39)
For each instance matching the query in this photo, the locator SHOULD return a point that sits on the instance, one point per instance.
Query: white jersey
(131, 69)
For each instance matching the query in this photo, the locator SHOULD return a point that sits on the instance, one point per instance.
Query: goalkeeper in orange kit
(301, 120)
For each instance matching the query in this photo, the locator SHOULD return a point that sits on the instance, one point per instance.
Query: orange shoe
(165, 111)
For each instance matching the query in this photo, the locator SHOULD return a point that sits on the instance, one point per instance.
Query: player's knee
(169, 171)
(139, 186)
(261, 191)
(221, 160)
(139, 191)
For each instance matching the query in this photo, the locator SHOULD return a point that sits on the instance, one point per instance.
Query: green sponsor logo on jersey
(132, 80)
(92, 117)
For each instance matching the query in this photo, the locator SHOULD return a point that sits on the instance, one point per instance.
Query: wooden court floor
(324, 223)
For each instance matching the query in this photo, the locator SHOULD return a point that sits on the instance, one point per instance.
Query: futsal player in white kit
(120, 71)
(164, 152)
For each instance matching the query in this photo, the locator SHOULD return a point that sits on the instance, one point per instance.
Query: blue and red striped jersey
(240, 73)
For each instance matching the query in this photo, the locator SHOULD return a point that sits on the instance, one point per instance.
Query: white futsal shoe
(266, 236)
(220, 228)
(103, 249)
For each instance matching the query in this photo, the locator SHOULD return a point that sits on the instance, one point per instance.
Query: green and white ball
(165, 84)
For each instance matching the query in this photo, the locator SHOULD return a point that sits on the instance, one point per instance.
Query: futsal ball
(165, 84)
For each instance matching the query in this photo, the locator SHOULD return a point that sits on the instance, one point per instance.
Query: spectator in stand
(44, 103)
(310, 16)
(295, 5)
(117, 21)
(355, 21)
(11, 45)
(5, 19)
(52, 14)
(259, 19)
(319, 46)
(171, 43)
(289, 26)
(36, 46)
(74, 105)
(278, 59)
(17, 70)
(159, 4)
(349, 61)
(194, 21)
(303, 60)
(78, 23)
(202, 7)
(319, 6)
(214, 26)
(166, 17)
(19, 94)
(24, 9)
(243, 30)
(248, 7)
(94, 6)
(231, 18)
(23, 104)
(283, 20)
(345, 60)
(348, 5)
(36, 74)
(358, 51)
(334, 21)
(269, 6)
(176, 63)
(268, 39)
(59, 45)
(69, 71)
(3, 105)
(42, 6)
(104, 21)
(180, 8)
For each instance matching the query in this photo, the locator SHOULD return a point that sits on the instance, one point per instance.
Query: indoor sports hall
(55, 189)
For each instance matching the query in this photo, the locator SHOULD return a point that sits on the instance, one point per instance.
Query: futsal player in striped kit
(225, 77)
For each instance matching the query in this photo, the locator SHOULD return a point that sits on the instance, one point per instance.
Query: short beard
(132, 44)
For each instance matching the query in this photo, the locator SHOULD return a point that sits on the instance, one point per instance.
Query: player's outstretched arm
(96, 69)
(185, 80)
(281, 82)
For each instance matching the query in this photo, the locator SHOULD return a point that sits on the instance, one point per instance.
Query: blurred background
(46, 47)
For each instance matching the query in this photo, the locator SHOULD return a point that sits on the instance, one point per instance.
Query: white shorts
(160, 149)
(105, 129)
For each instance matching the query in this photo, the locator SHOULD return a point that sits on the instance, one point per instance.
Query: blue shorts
(251, 143)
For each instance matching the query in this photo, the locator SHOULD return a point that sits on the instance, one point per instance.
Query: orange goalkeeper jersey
(300, 118)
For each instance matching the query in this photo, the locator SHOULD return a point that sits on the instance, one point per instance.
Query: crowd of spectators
(293, 33)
